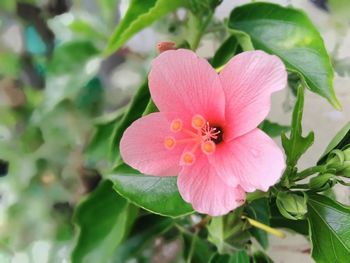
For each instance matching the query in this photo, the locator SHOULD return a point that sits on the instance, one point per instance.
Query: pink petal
(143, 146)
(201, 186)
(248, 81)
(182, 82)
(254, 161)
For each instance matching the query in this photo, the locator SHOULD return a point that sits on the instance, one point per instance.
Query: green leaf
(151, 107)
(135, 110)
(273, 129)
(139, 15)
(226, 51)
(329, 229)
(289, 33)
(146, 229)
(103, 219)
(201, 250)
(261, 257)
(96, 150)
(70, 56)
(229, 233)
(156, 194)
(341, 139)
(296, 145)
(123, 168)
(259, 210)
(238, 257)
(73, 65)
(243, 39)
(86, 29)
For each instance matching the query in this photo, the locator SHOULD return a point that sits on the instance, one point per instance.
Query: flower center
(203, 136)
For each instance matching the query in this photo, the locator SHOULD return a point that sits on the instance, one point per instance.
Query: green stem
(301, 186)
(310, 171)
(182, 229)
(193, 242)
(201, 30)
(288, 173)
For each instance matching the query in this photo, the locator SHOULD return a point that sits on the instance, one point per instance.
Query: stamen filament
(195, 147)
(191, 133)
(264, 227)
(187, 140)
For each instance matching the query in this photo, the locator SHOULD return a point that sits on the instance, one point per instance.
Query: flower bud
(339, 160)
(346, 165)
(346, 172)
(335, 160)
(322, 182)
(291, 205)
(166, 45)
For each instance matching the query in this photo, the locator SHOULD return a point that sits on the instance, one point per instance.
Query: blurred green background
(54, 88)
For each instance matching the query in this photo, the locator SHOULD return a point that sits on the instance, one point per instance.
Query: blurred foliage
(52, 88)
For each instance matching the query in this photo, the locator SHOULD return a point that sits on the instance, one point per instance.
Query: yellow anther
(198, 122)
(169, 142)
(176, 125)
(208, 147)
(187, 158)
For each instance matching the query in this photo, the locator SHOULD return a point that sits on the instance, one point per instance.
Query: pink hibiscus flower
(206, 131)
